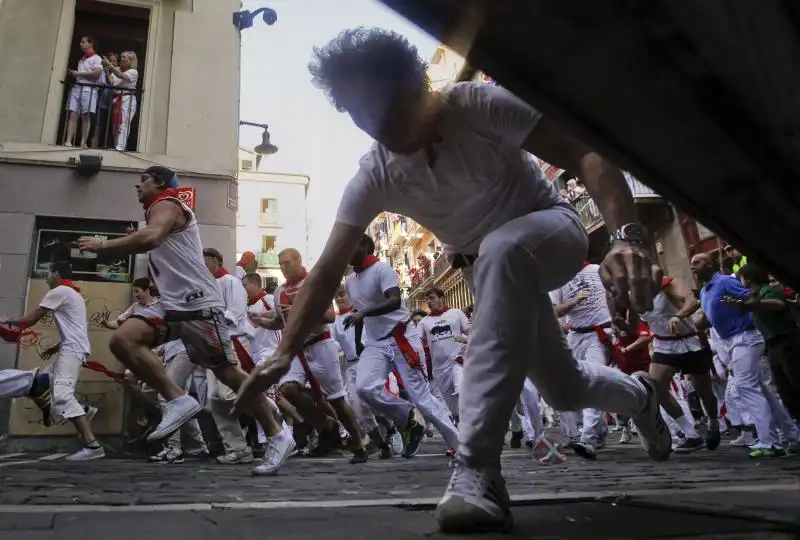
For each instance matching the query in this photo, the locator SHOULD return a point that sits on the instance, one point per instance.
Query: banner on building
(187, 196)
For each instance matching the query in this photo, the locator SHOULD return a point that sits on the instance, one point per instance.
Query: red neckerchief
(437, 312)
(167, 193)
(89, 54)
(666, 282)
(585, 264)
(341, 312)
(295, 281)
(69, 283)
(261, 295)
(219, 272)
(368, 261)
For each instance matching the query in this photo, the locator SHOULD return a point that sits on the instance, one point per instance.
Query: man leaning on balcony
(83, 94)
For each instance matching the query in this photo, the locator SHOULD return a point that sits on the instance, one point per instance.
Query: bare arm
(641, 341)
(30, 318)
(391, 302)
(316, 294)
(685, 301)
(165, 217)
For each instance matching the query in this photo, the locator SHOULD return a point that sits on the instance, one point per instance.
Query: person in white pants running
(455, 160)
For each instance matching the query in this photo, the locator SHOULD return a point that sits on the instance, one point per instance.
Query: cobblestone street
(621, 495)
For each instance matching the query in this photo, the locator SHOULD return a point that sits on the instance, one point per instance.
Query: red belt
(315, 387)
(602, 337)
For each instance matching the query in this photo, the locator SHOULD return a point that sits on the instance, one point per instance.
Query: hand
(261, 379)
(673, 325)
(352, 319)
(623, 350)
(631, 273)
(130, 229)
(104, 62)
(73, 73)
(461, 339)
(90, 243)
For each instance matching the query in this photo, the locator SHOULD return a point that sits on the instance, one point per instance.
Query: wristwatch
(635, 233)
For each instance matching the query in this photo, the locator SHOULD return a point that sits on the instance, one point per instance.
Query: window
(269, 213)
(115, 28)
(247, 164)
(268, 243)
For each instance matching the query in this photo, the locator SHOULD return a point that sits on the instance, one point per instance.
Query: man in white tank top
(457, 162)
(191, 309)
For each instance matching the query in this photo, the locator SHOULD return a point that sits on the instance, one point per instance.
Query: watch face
(633, 231)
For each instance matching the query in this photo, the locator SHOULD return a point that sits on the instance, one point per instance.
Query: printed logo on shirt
(194, 296)
(441, 330)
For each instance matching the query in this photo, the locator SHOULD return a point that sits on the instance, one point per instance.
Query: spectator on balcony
(100, 132)
(124, 105)
(83, 94)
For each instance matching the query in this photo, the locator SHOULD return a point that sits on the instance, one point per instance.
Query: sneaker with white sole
(475, 501)
(278, 450)
(176, 413)
(396, 441)
(653, 431)
(745, 439)
(236, 457)
(87, 453)
(168, 455)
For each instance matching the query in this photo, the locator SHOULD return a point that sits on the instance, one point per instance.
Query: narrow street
(622, 495)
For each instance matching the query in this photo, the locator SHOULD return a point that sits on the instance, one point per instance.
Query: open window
(111, 109)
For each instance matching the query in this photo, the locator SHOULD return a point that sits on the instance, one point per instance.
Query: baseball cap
(247, 256)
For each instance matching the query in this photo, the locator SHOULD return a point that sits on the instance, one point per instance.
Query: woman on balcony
(123, 109)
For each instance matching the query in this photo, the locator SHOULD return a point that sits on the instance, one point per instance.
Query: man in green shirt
(773, 319)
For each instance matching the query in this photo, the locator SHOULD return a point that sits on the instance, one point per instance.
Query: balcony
(590, 213)
(270, 219)
(112, 114)
(268, 259)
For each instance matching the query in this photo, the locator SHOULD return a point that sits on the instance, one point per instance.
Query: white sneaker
(278, 450)
(245, 455)
(626, 437)
(176, 413)
(475, 501)
(87, 454)
(396, 442)
(745, 439)
(653, 431)
(168, 455)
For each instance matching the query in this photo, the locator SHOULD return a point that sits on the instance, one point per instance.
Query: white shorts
(82, 99)
(323, 362)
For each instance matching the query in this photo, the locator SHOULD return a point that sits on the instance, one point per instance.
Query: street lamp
(266, 148)
(244, 19)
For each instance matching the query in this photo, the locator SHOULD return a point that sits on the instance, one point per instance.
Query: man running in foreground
(456, 162)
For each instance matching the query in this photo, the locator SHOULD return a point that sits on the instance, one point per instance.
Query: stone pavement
(622, 495)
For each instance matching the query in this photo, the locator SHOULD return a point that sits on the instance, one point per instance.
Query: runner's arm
(164, 217)
(30, 318)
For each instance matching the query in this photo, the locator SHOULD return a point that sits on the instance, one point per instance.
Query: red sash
(411, 356)
(603, 338)
(245, 360)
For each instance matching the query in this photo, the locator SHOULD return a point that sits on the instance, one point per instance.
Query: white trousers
(373, 368)
(742, 354)
(16, 383)
(530, 403)
(65, 372)
(366, 418)
(588, 348)
(448, 380)
(515, 333)
(323, 362)
(180, 369)
(123, 130)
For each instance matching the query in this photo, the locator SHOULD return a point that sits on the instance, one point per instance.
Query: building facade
(174, 115)
(272, 214)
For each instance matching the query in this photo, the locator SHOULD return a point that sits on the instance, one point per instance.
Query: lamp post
(244, 19)
(266, 148)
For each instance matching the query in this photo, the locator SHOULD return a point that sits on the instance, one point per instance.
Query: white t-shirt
(264, 338)
(235, 297)
(481, 178)
(134, 309)
(128, 81)
(69, 312)
(85, 65)
(345, 338)
(593, 310)
(366, 289)
(239, 272)
(440, 332)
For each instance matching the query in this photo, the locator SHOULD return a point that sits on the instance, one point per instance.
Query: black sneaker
(360, 455)
(516, 440)
(413, 434)
(42, 395)
(386, 452)
(687, 446)
(585, 450)
(713, 439)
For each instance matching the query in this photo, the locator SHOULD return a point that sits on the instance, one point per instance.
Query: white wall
(290, 193)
